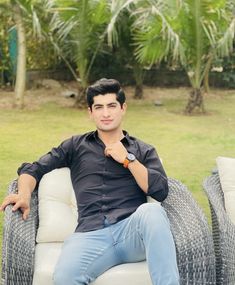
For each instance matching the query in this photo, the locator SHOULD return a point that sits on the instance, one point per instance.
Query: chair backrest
(57, 206)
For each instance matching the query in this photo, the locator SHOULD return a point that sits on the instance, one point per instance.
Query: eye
(98, 107)
(113, 106)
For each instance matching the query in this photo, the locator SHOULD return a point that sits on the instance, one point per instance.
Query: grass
(188, 145)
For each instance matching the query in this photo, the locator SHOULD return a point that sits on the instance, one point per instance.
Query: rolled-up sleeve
(157, 179)
(58, 157)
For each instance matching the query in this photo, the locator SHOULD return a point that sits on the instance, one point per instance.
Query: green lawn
(188, 145)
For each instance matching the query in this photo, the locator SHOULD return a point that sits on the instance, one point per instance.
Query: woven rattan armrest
(223, 232)
(19, 243)
(193, 238)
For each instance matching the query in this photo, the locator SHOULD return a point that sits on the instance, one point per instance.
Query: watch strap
(126, 163)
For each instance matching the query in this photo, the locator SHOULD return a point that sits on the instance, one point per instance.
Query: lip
(106, 121)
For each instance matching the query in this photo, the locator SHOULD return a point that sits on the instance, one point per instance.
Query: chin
(107, 129)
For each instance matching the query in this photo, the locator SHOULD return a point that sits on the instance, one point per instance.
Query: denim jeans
(144, 235)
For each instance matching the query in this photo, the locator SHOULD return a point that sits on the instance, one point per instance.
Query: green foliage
(228, 74)
(40, 51)
(5, 65)
(112, 65)
(41, 54)
(155, 37)
(197, 31)
(6, 24)
(78, 29)
(229, 78)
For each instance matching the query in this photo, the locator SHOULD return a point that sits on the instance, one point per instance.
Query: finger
(16, 206)
(9, 200)
(26, 214)
(106, 151)
(4, 205)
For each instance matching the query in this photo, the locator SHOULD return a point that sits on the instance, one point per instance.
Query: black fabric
(103, 187)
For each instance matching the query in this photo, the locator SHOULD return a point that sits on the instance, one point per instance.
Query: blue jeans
(144, 235)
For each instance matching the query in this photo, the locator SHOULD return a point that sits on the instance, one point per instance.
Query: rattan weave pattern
(19, 243)
(193, 239)
(194, 245)
(223, 232)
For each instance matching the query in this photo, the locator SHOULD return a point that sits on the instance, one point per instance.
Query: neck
(110, 137)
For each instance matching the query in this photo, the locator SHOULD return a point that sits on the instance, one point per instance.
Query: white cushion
(226, 168)
(57, 206)
(46, 256)
(57, 220)
(125, 274)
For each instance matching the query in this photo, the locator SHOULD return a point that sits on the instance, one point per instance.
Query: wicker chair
(193, 239)
(223, 232)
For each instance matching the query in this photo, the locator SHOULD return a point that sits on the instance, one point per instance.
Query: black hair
(105, 86)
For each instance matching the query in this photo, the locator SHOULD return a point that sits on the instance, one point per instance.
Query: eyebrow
(112, 103)
(109, 104)
(98, 105)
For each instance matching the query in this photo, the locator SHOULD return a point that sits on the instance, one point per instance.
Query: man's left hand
(117, 151)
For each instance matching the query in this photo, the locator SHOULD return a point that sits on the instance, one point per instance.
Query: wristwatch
(129, 158)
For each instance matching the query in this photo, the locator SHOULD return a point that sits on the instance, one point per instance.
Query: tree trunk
(206, 82)
(80, 101)
(21, 58)
(138, 76)
(195, 101)
(207, 74)
(138, 91)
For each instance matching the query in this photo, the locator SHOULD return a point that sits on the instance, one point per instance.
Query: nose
(105, 112)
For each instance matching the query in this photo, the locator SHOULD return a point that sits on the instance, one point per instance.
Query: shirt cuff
(28, 168)
(158, 185)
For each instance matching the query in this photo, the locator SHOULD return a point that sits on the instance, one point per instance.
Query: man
(112, 173)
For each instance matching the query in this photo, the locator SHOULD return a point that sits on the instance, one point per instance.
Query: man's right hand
(19, 201)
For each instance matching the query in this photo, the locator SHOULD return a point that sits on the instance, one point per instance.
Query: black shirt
(103, 187)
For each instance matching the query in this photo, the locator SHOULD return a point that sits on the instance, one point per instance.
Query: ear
(89, 112)
(124, 107)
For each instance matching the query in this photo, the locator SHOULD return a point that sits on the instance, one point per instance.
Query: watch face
(130, 157)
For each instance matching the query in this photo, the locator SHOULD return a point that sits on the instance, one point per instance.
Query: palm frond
(225, 44)
(77, 27)
(155, 35)
(117, 8)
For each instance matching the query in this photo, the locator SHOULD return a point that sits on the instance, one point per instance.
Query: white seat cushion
(57, 206)
(57, 220)
(125, 274)
(46, 256)
(226, 168)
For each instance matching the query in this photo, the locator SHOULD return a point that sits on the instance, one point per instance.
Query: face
(107, 112)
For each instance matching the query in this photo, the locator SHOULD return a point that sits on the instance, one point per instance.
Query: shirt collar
(127, 138)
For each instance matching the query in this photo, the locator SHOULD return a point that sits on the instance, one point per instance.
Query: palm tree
(21, 55)
(5, 35)
(23, 13)
(192, 32)
(120, 35)
(78, 29)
